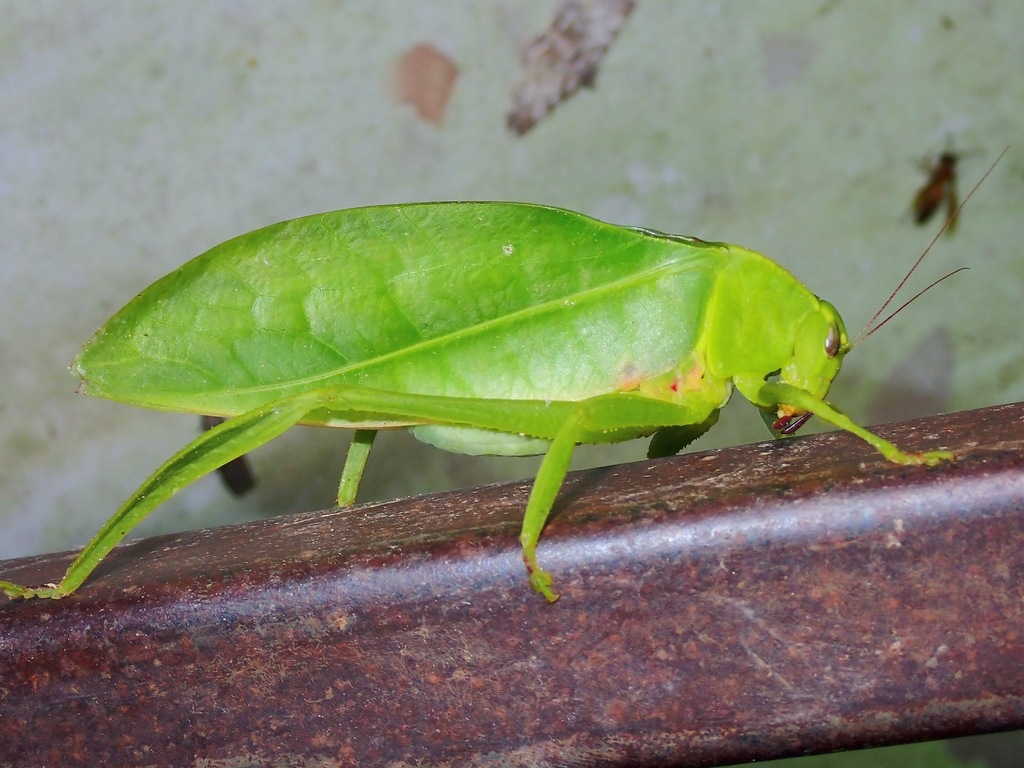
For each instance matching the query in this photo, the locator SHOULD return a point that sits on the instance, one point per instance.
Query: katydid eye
(832, 341)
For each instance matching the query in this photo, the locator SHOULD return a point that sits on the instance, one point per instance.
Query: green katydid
(485, 328)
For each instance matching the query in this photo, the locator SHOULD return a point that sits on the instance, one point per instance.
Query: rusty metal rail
(756, 602)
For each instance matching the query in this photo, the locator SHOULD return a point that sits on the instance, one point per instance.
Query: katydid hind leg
(203, 455)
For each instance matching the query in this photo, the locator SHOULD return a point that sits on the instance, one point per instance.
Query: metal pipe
(756, 602)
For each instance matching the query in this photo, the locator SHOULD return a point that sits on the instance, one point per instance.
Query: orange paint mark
(424, 77)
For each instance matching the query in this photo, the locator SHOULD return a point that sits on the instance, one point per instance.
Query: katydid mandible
(484, 328)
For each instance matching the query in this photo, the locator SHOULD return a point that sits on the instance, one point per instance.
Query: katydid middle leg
(589, 417)
(355, 463)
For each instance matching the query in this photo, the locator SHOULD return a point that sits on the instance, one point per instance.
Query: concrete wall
(135, 135)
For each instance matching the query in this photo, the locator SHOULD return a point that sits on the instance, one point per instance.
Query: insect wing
(488, 300)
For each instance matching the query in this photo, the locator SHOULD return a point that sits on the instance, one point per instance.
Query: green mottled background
(134, 135)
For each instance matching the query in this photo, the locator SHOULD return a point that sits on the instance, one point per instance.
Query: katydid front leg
(767, 394)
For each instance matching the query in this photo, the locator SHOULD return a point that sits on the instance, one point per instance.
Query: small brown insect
(940, 188)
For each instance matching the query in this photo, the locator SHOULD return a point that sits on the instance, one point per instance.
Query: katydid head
(818, 350)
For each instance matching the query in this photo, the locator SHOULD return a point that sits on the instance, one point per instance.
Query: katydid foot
(540, 579)
(18, 592)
